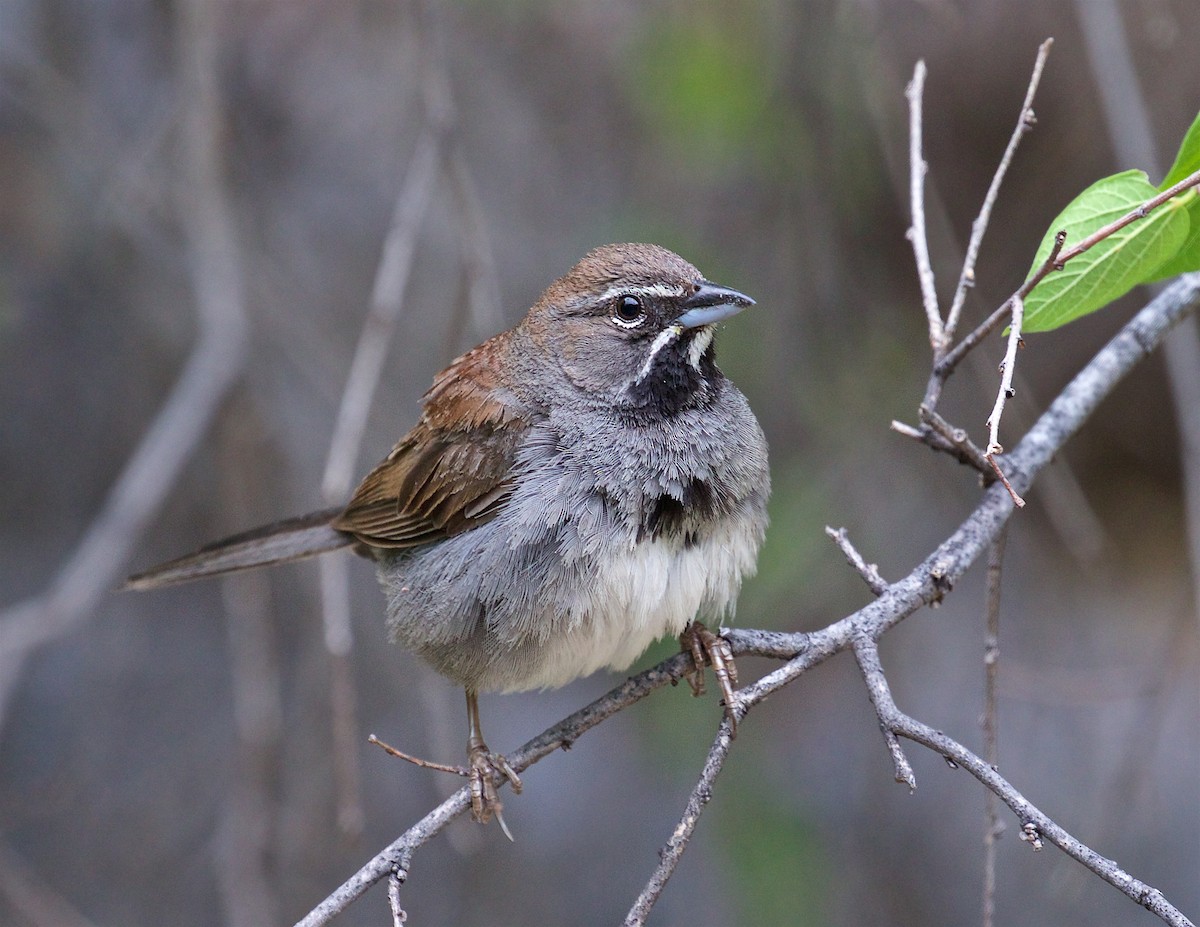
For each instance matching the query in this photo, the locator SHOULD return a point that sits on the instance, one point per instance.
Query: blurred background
(197, 756)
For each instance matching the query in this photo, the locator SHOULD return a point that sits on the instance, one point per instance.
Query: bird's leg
(707, 647)
(484, 767)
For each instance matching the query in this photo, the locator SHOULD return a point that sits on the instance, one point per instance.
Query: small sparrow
(576, 488)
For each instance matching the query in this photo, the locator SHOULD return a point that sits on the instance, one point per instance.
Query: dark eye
(629, 311)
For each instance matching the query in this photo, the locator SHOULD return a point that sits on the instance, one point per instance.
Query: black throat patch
(678, 376)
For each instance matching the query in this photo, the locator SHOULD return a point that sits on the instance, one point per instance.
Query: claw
(485, 768)
(707, 647)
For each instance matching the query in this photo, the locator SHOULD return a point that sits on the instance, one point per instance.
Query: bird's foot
(485, 768)
(707, 647)
(482, 769)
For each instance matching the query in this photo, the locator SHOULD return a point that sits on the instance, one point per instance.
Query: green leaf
(1187, 161)
(1187, 258)
(1112, 267)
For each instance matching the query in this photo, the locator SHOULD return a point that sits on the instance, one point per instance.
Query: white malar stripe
(660, 290)
(665, 337)
(700, 342)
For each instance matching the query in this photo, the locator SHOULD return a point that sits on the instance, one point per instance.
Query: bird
(576, 488)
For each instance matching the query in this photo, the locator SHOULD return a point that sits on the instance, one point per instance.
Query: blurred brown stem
(991, 670)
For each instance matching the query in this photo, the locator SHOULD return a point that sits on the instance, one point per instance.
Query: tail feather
(281, 542)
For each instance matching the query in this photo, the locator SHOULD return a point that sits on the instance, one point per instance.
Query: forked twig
(866, 652)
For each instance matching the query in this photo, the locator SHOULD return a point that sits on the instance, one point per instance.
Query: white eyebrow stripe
(661, 290)
(665, 337)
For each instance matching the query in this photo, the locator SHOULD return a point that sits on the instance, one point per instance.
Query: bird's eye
(629, 312)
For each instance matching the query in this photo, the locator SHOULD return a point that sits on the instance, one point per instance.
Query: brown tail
(293, 539)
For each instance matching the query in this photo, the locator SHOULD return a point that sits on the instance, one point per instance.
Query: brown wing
(450, 473)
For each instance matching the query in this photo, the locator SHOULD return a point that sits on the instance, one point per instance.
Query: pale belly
(640, 595)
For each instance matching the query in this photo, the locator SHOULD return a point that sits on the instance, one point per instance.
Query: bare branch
(957, 441)
(945, 367)
(399, 916)
(1036, 825)
(670, 855)
(868, 571)
(1007, 367)
(397, 857)
(991, 663)
(1025, 122)
(866, 652)
(379, 326)
(916, 190)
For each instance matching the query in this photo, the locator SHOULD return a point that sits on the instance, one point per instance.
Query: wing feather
(453, 471)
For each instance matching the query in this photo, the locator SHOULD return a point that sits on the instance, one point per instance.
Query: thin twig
(672, 852)
(396, 857)
(917, 235)
(1017, 499)
(379, 326)
(991, 665)
(1007, 367)
(868, 571)
(866, 652)
(1036, 826)
(946, 366)
(366, 369)
(416, 760)
(1025, 122)
(958, 441)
